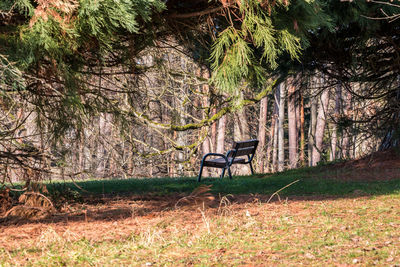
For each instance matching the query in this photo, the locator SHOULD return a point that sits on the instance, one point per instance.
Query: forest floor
(359, 225)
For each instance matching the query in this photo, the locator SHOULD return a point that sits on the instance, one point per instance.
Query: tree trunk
(270, 143)
(313, 123)
(243, 124)
(241, 132)
(182, 137)
(100, 146)
(281, 136)
(320, 127)
(221, 135)
(206, 149)
(237, 133)
(346, 131)
(275, 138)
(213, 137)
(355, 107)
(292, 124)
(302, 137)
(205, 88)
(172, 167)
(262, 134)
(338, 96)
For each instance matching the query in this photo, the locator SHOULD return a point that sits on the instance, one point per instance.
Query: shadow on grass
(311, 182)
(108, 200)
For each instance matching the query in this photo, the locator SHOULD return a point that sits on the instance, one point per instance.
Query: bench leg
(251, 168)
(223, 173)
(200, 172)
(230, 173)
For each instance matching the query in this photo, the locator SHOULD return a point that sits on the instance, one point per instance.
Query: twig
(41, 195)
(196, 14)
(276, 193)
(71, 176)
(26, 207)
(205, 220)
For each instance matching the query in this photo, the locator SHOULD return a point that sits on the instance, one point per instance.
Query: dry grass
(234, 231)
(345, 221)
(199, 196)
(5, 200)
(31, 204)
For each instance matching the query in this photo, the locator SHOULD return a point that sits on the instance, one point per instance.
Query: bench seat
(234, 156)
(221, 162)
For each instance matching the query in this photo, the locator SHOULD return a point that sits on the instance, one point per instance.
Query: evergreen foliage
(258, 36)
(56, 41)
(363, 51)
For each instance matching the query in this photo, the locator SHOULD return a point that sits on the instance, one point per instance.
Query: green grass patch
(311, 182)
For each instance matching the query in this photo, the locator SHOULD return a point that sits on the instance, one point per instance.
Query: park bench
(234, 156)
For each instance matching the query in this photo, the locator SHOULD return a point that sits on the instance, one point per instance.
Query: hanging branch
(233, 106)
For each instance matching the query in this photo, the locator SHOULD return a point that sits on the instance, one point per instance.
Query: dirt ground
(111, 219)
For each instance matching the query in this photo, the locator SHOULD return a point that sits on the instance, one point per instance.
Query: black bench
(233, 156)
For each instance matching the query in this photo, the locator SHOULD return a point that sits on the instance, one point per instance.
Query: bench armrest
(215, 154)
(229, 154)
(249, 158)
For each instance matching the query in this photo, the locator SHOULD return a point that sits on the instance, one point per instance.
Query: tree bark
(313, 122)
(270, 166)
(275, 133)
(206, 149)
(241, 132)
(172, 166)
(292, 123)
(346, 131)
(100, 146)
(221, 135)
(206, 146)
(281, 136)
(262, 123)
(302, 137)
(243, 124)
(338, 96)
(320, 127)
(213, 139)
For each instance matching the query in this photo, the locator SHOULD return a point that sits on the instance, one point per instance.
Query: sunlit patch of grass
(363, 231)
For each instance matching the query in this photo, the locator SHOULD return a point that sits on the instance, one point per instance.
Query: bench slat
(220, 163)
(244, 144)
(245, 151)
(241, 148)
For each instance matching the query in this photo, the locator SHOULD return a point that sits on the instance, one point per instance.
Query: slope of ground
(381, 165)
(350, 219)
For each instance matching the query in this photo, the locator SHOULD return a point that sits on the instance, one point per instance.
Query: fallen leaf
(389, 259)
(308, 255)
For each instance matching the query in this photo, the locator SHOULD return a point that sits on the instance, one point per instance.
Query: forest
(141, 88)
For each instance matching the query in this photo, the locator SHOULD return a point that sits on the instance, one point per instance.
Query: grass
(359, 225)
(258, 234)
(312, 181)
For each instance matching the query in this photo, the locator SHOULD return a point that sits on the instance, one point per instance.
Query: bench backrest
(244, 148)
